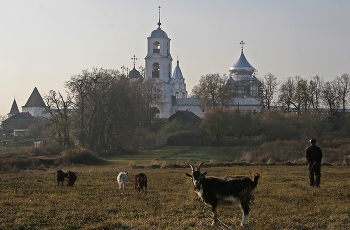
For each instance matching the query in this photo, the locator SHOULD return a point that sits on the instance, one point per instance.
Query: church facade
(158, 65)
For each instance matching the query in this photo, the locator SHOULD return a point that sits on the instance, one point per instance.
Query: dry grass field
(31, 199)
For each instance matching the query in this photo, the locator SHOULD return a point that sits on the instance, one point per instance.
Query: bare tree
(343, 88)
(301, 97)
(330, 96)
(78, 85)
(287, 92)
(58, 108)
(315, 88)
(269, 86)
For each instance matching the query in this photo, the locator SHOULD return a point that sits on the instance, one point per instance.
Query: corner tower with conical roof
(242, 77)
(35, 105)
(14, 109)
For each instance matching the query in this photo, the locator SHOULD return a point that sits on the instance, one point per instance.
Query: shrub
(79, 156)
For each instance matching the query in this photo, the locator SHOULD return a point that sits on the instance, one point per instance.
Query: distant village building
(186, 118)
(17, 122)
(158, 65)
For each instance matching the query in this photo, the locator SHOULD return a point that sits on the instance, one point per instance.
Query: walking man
(313, 155)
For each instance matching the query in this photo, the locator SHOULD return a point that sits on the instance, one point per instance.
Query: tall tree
(315, 89)
(301, 97)
(58, 108)
(212, 91)
(269, 86)
(287, 92)
(330, 96)
(343, 89)
(78, 85)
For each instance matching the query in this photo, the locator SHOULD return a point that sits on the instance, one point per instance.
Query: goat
(60, 175)
(238, 190)
(71, 178)
(140, 182)
(122, 179)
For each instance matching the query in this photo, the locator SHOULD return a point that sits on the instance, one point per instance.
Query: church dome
(242, 65)
(158, 33)
(231, 81)
(134, 74)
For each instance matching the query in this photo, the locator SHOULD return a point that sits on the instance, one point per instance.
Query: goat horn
(192, 167)
(199, 166)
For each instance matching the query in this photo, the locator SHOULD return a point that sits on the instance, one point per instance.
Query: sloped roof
(35, 100)
(246, 101)
(21, 116)
(188, 114)
(187, 101)
(17, 121)
(14, 108)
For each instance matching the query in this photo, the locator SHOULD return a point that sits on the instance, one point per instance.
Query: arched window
(177, 94)
(156, 47)
(169, 71)
(155, 70)
(183, 95)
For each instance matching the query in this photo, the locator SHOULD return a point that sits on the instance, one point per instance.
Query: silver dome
(242, 64)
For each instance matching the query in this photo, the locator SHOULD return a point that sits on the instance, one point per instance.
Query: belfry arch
(155, 70)
(156, 47)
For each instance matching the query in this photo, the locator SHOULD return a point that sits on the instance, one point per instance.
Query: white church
(158, 65)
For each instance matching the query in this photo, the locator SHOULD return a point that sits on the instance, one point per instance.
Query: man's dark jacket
(313, 153)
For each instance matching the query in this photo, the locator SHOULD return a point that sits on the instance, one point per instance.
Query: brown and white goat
(140, 182)
(238, 190)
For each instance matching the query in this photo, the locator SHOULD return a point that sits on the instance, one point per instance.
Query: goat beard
(197, 188)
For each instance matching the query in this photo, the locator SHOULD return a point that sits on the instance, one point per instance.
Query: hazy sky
(43, 43)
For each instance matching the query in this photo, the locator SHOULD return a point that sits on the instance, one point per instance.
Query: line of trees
(303, 94)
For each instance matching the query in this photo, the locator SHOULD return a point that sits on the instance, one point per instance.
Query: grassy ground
(31, 199)
(178, 154)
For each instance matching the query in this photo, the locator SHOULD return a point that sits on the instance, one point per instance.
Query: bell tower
(158, 60)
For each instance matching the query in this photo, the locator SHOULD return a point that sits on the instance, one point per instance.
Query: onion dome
(177, 72)
(134, 74)
(242, 65)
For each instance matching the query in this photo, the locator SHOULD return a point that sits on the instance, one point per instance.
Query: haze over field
(43, 43)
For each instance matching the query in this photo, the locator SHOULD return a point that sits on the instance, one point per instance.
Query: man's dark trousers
(315, 170)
